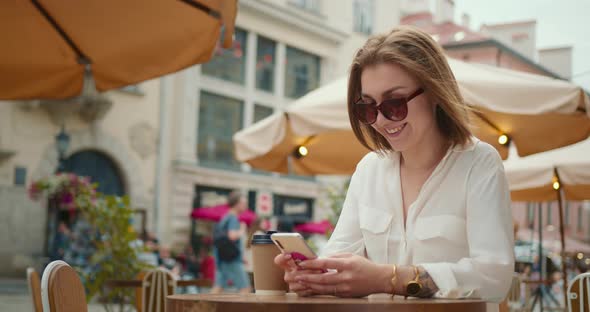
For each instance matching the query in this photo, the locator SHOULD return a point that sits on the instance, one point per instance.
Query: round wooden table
(291, 303)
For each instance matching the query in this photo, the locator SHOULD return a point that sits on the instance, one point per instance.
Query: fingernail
(287, 256)
(302, 263)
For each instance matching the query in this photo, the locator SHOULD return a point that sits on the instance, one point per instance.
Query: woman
(427, 213)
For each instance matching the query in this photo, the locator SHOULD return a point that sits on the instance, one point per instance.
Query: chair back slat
(156, 286)
(578, 293)
(34, 283)
(138, 293)
(61, 289)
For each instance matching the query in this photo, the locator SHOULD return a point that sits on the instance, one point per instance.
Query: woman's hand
(355, 276)
(292, 271)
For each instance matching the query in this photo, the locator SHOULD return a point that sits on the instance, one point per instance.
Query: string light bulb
(503, 139)
(301, 151)
(556, 185)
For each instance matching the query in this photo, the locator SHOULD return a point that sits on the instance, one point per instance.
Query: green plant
(116, 253)
(112, 235)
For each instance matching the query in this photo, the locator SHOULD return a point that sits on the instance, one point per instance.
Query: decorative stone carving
(89, 107)
(95, 107)
(143, 139)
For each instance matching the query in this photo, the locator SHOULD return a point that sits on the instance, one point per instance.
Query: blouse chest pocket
(447, 227)
(439, 236)
(373, 221)
(375, 224)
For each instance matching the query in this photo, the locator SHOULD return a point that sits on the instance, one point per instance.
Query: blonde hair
(421, 57)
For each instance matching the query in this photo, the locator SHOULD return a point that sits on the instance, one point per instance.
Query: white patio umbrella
(537, 113)
(552, 176)
(536, 177)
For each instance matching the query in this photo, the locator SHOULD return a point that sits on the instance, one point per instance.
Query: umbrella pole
(542, 267)
(561, 232)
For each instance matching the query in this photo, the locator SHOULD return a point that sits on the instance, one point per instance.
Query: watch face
(413, 288)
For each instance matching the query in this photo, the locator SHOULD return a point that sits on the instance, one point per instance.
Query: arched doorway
(100, 168)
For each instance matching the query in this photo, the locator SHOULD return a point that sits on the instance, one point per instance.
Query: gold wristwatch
(414, 287)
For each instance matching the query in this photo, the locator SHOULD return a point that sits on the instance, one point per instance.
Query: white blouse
(459, 228)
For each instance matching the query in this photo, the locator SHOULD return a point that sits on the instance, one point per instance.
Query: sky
(559, 23)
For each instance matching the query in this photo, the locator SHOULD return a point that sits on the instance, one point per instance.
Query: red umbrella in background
(321, 227)
(215, 213)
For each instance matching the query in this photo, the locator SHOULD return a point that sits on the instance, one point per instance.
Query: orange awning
(46, 45)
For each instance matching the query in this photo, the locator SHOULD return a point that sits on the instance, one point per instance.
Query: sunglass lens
(366, 113)
(395, 109)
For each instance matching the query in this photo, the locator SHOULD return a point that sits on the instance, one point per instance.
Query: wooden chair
(35, 289)
(156, 286)
(138, 292)
(61, 289)
(578, 293)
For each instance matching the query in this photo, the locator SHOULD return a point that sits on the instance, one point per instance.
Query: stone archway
(95, 139)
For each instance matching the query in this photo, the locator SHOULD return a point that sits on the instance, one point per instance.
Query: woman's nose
(381, 119)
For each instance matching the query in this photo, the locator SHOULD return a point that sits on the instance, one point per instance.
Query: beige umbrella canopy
(551, 175)
(48, 45)
(536, 177)
(537, 113)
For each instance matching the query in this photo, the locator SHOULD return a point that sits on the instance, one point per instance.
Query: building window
(363, 16)
(297, 209)
(265, 64)
(261, 112)
(219, 118)
(209, 196)
(302, 73)
(229, 64)
(309, 5)
(20, 176)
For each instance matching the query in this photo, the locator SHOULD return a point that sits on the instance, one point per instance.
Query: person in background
(62, 241)
(189, 269)
(207, 263)
(232, 269)
(168, 262)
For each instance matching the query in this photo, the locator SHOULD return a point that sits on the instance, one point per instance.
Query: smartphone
(294, 244)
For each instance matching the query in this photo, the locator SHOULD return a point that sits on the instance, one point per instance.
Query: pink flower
(34, 191)
(67, 198)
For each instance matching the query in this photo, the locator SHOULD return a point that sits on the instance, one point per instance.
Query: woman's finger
(283, 260)
(326, 263)
(329, 278)
(332, 290)
(291, 276)
(305, 293)
(297, 287)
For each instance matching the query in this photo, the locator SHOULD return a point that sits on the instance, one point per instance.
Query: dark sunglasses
(393, 109)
